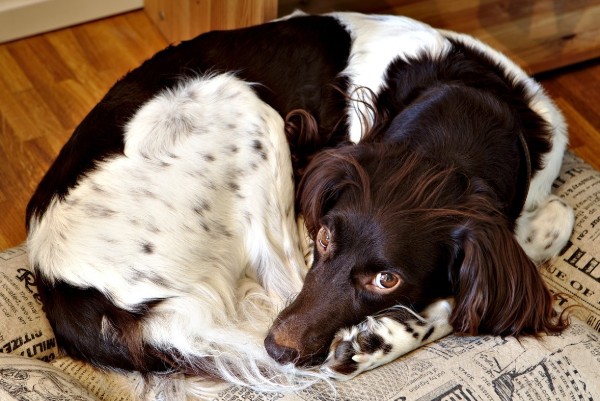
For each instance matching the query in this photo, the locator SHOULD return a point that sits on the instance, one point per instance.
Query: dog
(164, 236)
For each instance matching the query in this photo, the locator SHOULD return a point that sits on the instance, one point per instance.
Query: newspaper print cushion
(24, 329)
(556, 367)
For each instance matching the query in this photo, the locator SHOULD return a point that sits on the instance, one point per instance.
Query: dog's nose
(279, 352)
(284, 350)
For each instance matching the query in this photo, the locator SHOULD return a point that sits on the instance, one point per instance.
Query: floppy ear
(327, 175)
(498, 288)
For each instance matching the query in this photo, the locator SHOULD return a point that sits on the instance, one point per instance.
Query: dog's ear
(329, 174)
(498, 288)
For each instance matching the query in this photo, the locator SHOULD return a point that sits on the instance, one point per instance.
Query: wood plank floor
(49, 82)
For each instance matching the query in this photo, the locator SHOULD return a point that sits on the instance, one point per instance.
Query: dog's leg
(544, 231)
(381, 339)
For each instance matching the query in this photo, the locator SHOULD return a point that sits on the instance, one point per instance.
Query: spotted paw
(544, 231)
(381, 339)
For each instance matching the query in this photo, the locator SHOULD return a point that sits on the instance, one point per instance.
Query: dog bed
(556, 367)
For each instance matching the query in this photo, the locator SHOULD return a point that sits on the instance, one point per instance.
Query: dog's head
(394, 227)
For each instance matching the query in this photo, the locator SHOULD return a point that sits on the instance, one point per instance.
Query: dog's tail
(231, 356)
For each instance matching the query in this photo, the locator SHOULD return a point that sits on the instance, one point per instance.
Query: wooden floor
(49, 82)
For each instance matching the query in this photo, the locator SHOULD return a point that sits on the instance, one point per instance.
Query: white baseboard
(20, 18)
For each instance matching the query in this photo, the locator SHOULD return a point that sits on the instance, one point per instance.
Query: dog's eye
(386, 280)
(381, 283)
(323, 238)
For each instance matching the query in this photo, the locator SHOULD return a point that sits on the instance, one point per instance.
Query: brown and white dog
(164, 234)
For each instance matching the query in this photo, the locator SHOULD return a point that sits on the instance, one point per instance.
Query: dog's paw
(356, 349)
(544, 231)
(383, 338)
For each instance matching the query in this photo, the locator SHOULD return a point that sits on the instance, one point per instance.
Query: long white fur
(190, 162)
